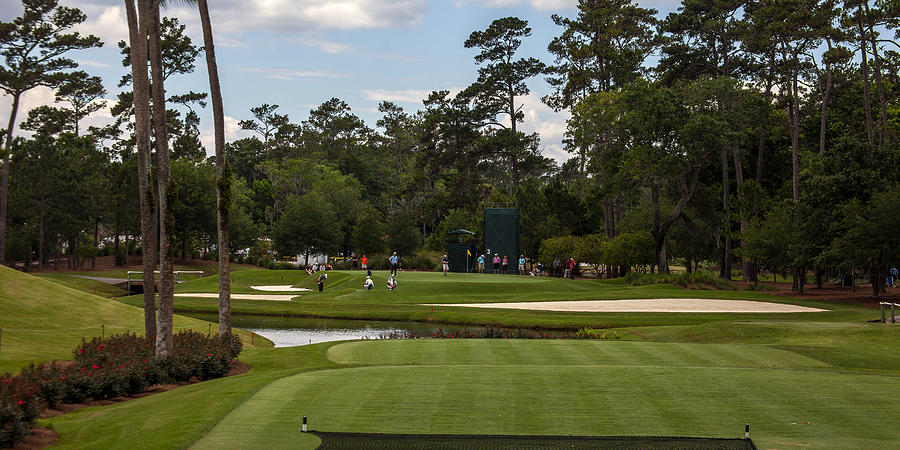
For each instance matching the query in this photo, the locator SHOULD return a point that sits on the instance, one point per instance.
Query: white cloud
(240, 16)
(403, 96)
(552, 5)
(540, 5)
(109, 23)
(41, 96)
(323, 45)
(279, 73)
(233, 132)
(89, 63)
(549, 124)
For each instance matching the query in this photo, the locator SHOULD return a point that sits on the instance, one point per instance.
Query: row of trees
(765, 134)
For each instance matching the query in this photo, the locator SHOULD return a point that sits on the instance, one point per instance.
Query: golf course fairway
(568, 387)
(819, 379)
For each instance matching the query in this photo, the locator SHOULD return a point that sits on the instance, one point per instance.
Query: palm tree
(141, 99)
(164, 343)
(223, 171)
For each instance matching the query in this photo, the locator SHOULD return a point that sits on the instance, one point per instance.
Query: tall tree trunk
(864, 68)
(609, 217)
(795, 131)
(725, 271)
(4, 174)
(116, 241)
(96, 243)
(41, 237)
(660, 229)
(748, 269)
(138, 39)
(164, 343)
(825, 96)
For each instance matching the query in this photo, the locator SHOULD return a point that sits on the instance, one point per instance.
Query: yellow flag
(469, 252)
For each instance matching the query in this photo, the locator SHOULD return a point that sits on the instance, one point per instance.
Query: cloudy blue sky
(300, 53)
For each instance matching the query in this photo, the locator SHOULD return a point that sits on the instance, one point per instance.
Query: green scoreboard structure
(501, 236)
(461, 250)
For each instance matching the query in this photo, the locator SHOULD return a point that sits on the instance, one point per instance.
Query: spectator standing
(556, 267)
(394, 263)
(365, 262)
(481, 263)
(521, 264)
(354, 261)
(496, 264)
(570, 269)
(892, 278)
(445, 265)
(505, 264)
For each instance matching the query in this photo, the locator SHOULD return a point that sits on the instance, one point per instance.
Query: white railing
(141, 272)
(884, 306)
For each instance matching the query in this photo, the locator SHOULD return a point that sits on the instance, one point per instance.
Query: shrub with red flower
(104, 368)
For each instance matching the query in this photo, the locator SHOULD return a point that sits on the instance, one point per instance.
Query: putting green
(569, 387)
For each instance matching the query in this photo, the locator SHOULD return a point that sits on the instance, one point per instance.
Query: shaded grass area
(43, 320)
(83, 284)
(344, 298)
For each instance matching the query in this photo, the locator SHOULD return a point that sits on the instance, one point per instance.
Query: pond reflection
(294, 331)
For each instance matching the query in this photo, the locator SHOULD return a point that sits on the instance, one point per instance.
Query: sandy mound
(279, 288)
(679, 305)
(277, 298)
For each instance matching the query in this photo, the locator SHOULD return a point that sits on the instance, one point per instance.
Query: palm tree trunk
(164, 343)
(141, 99)
(223, 175)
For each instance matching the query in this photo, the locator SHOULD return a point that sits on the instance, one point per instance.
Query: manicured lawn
(819, 380)
(569, 387)
(345, 298)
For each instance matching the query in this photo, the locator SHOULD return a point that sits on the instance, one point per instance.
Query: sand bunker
(279, 288)
(277, 298)
(677, 305)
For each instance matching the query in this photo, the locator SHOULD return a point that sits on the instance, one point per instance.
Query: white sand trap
(277, 298)
(677, 305)
(279, 288)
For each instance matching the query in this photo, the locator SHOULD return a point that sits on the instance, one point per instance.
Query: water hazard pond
(294, 331)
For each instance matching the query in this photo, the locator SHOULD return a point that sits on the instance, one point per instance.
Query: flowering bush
(19, 408)
(120, 365)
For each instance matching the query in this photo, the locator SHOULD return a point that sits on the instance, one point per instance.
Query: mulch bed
(42, 437)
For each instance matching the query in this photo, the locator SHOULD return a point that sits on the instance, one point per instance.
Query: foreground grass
(508, 387)
(820, 380)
